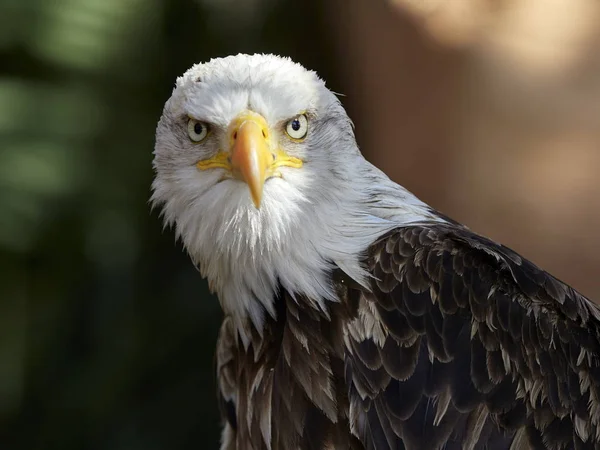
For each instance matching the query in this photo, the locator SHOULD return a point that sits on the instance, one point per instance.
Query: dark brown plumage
(459, 344)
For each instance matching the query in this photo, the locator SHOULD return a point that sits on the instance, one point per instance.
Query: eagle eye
(297, 127)
(197, 131)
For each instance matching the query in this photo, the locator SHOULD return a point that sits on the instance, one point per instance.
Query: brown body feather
(459, 344)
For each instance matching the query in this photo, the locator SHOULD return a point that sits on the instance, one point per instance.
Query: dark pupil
(198, 128)
(296, 125)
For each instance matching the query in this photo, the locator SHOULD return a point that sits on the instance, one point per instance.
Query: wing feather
(478, 349)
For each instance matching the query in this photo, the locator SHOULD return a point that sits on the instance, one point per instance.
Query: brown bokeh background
(489, 110)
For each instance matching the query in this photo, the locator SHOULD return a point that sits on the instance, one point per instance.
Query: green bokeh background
(107, 331)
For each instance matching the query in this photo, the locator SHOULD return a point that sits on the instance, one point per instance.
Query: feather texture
(287, 386)
(399, 369)
(488, 326)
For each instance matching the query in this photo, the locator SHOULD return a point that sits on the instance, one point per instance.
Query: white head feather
(322, 215)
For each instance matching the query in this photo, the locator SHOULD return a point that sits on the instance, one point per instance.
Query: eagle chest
(287, 390)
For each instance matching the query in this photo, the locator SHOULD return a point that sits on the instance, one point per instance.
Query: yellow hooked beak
(250, 157)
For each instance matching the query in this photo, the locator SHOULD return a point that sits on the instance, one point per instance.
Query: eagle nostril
(264, 132)
(235, 135)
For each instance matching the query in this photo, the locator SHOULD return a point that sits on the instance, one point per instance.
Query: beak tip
(256, 191)
(256, 202)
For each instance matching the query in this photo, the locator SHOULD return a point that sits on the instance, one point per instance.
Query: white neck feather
(292, 241)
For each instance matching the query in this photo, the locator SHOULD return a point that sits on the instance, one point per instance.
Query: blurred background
(489, 110)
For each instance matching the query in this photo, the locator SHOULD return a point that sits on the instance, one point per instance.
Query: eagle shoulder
(461, 343)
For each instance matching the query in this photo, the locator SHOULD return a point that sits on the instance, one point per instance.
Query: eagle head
(258, 170)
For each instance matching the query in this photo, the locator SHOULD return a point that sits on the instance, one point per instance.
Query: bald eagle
(355, 315)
